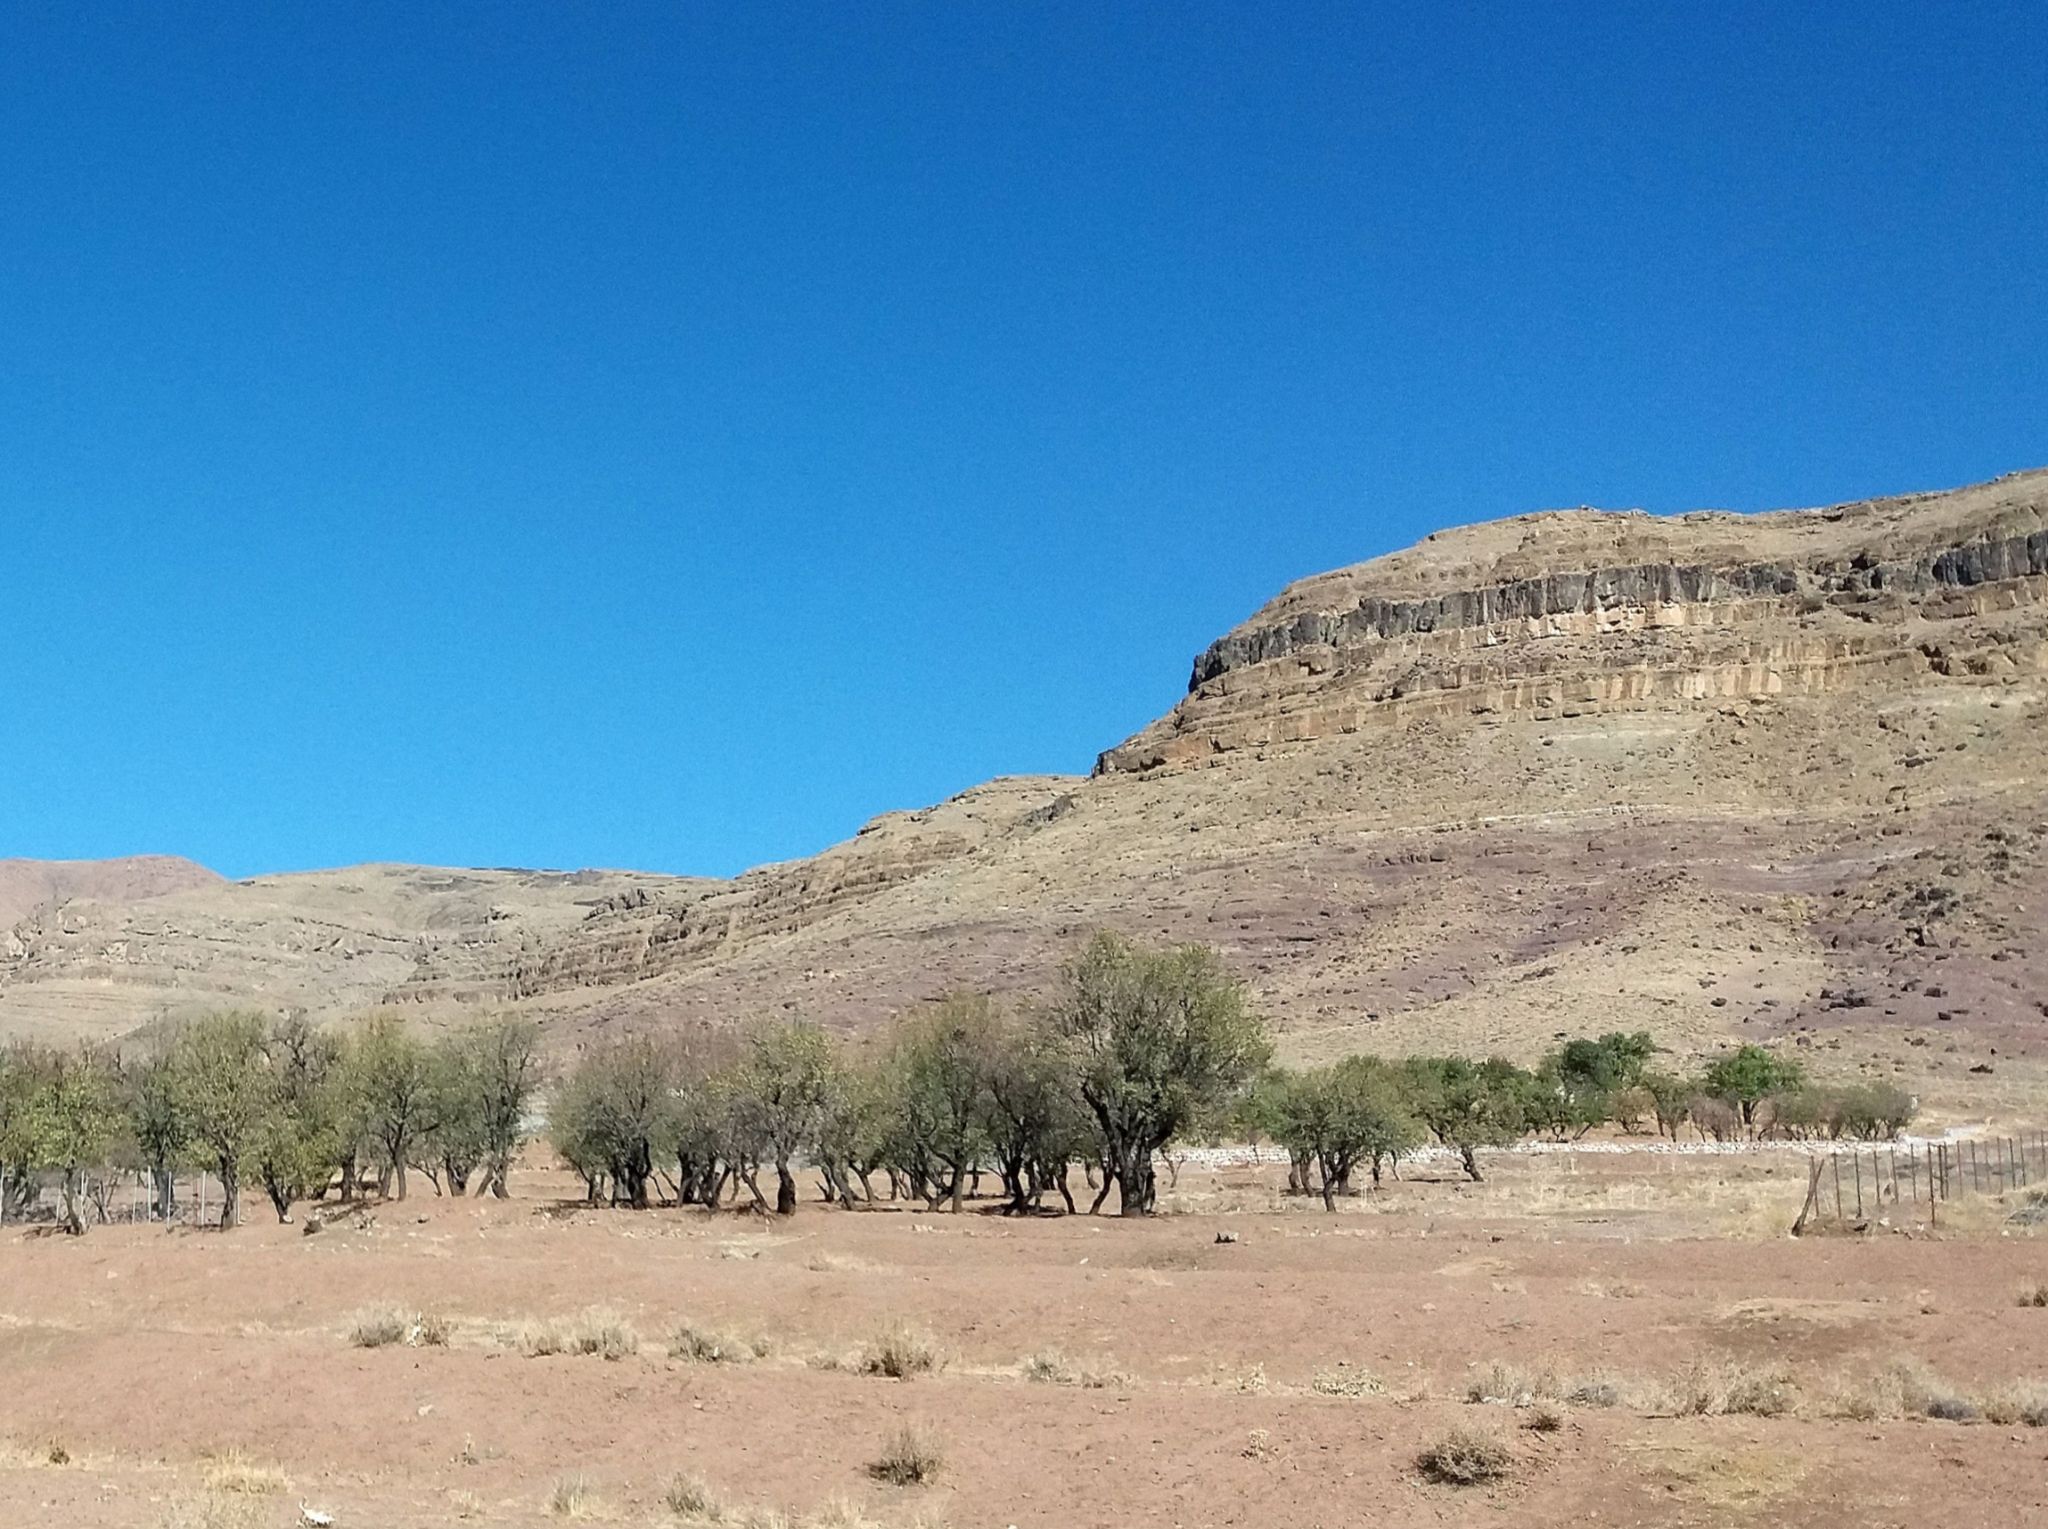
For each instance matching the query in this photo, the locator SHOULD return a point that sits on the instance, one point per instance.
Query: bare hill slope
(1717, 776)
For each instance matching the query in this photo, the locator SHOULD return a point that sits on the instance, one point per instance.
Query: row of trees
(1137, 1050)
(298, 1110)
(1362, 1110)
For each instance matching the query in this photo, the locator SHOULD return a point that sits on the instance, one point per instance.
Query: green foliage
(615, 1112)
(294, 1144)
(786, 1085)
(72, 1118)
(1468, 1105)
(1160, 1039)
(940, 1063)
(214, 1089)
(388, 1078)
(1349, 1112)
(1747, 1076)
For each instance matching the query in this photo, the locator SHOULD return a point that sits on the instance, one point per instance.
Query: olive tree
(293, 1143)
(74, 1115)
(1467, 1105)
(1158, 1039)
(1349, 1112)
(215, 1063)
(1748, 1075)
(390, 1078)
(162, 1136)
(614, 1113)
(940, 1063)
(780, 1096)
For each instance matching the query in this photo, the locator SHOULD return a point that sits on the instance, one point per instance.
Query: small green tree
(1747, 1076)
(506, 1058)
(216, 1063)
(781, 1095)
(162, 1136)
(1467, 1105)
(21, 1069)
(293, 1144)
(1350, 1112)
(941, 1059)
(389, 1080)
(1159, 1039)
(74, 1117)
(615, 1113)
(1032, 1115)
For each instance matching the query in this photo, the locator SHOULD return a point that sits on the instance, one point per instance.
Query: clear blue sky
(666, 435)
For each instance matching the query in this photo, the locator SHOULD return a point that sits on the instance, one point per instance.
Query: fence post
(1857, 1163)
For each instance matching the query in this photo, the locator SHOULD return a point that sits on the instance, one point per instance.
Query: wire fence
(117, 1199)
(1855, 1184)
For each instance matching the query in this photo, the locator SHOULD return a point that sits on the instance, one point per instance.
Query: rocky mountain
(1713, 775)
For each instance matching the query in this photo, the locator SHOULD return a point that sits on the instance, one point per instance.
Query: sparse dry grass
(378, 1326)
(1344, 1379)
(234, 1472)
(1049, 1367)
(690, 1499)
(910, 1457)
(1465, 1457)
(384, 1324)
(574, 1497)
(210, 1511)
(900, 1352)
(1510, 1385)
(597, 1331)
(706, 1345)
(1704, 1388)
(2022, 1401)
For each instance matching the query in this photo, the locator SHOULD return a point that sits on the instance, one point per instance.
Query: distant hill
(1716, 776)
(26, 885)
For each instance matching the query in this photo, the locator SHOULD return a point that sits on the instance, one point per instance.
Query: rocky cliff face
(1718, 777)
(1570, 610)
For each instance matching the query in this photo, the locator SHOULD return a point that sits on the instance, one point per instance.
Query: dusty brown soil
(147, 1356)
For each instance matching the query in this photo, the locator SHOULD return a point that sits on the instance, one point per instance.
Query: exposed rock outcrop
(1578, 609)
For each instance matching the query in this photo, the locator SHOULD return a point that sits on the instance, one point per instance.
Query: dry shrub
(1544, 1417)
(910, 1458)
(1259, 1446)
(705, 1345)
(1511, 1386)
(574, 1497)
(541, 1338)
(383, 1324)
(377, 1326)
(596, 1331)
(1465, 1457)
(1342, 1379)
(1923, 1393)
(234, 1472)
(56, 1454)
(1593, 1391)
(604, 1333)
(1706, 1389)
(900, 1352)
(2034, 1293)
(687, 1497)
(2024, 1401)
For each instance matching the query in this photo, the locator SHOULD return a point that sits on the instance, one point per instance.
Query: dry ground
(195, 1379)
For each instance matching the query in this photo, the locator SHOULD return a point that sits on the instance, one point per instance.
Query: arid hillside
(1710, 775)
